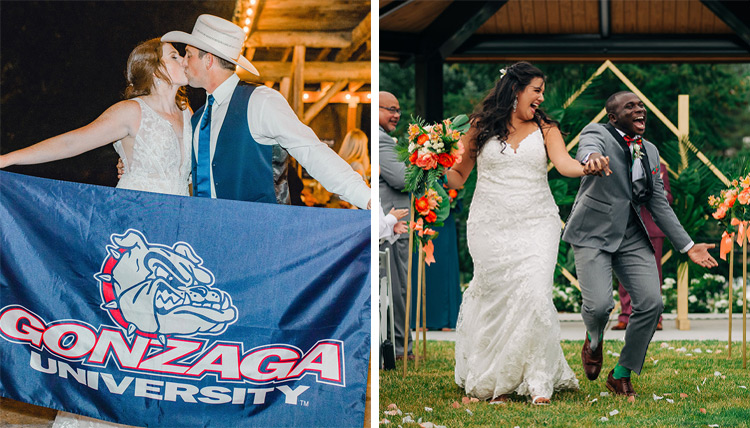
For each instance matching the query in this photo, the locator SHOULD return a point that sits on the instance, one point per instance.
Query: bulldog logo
(161, 291)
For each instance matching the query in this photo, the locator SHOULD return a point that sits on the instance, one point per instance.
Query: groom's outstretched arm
(273, 122)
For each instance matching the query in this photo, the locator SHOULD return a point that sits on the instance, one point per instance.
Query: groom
(607, 233)
(236, 131)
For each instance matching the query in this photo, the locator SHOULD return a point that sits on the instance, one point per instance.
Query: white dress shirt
(271, 121)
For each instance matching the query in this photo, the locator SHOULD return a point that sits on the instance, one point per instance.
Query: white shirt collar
(622, 134)
(224, 91)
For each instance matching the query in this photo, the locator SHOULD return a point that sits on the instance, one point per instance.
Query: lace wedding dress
(508, 334)
(159, 163)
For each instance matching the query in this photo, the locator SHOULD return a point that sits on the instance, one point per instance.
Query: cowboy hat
(216, 36)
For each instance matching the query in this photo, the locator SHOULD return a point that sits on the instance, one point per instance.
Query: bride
(508, 331)
(152, 134)
(150, 129)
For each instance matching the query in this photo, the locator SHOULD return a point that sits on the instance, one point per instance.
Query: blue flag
(157, 310)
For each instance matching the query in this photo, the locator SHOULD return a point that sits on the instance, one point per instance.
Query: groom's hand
(699, 255)
(597, 165)
(120, 168)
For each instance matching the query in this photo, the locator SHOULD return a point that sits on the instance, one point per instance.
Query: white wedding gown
(159, 163)
(508, 333)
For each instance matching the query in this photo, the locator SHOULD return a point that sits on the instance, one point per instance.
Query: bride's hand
(120, 168)
(4, 161)
(597, 165)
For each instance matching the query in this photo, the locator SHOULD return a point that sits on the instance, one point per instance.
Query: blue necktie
(203, 171)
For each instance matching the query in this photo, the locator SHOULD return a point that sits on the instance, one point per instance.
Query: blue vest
(242, 168)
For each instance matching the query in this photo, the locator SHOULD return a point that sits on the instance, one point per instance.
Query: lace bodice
(160, 161)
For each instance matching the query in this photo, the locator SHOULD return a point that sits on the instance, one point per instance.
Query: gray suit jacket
(392, 175)
(602, 207)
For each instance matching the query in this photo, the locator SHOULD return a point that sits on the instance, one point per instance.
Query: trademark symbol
(304, 403)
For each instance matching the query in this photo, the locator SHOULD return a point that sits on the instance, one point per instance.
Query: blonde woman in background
(354, 151)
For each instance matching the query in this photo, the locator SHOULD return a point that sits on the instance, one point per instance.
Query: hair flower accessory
(502, 72)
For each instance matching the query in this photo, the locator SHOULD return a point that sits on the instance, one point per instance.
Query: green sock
(621, 372)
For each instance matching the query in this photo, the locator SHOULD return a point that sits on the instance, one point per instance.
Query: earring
(158, 82)
(515, 104)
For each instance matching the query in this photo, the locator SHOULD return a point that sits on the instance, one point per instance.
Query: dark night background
(63, 64)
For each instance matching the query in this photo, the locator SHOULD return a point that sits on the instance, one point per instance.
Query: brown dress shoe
(620, 326)
(620, 386)
(592, 360)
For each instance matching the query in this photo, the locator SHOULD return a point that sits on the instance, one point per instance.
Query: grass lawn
(668, 372)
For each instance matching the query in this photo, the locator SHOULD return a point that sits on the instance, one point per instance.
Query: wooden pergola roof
(428, 33)
(312, 51)
(566, 30)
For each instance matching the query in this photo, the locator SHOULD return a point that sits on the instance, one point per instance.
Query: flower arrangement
(428, 152)
(732, 209)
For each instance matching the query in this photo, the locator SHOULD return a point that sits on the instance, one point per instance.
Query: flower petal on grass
(469, 412)
(474, 400)
(614, 412)
(704, 381)
(709, 351)
(702, 410)
(742, 386)
(465, 400)
(631, 398)
(664, 345)
(392, 412)
(713, 426)
(717, 373)
(698, 388)
(593, 401)
(604, 394)
(392, 406)
(384, 421)
(683, 395)
(697, 350)
(656, 397)
(670, 401)
(407, 419)
(456, 405)
(427, 425)
(428, 409)
(604, 419)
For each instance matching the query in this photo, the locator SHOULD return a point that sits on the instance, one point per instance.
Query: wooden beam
(359, 35)
(355, 85)
(428, 88)
(284, 87)
(285, 55)
(323, 101)
(605, 19)
(315, 71)
(312, 39)
(393, 6)
(298, 79)
(249, 53)
(458, 22)
(323, 54)
(340, 98)
(735, 14)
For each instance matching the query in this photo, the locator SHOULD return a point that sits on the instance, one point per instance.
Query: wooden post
(298, 80)
(683, 280)
(731, 290)
(683, 323)
(683, 126)
(420, 276)
(408, 282)
(744, 301)
(424, 311)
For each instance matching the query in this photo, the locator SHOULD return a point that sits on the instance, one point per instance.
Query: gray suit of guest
(607, 234)
(392, 175)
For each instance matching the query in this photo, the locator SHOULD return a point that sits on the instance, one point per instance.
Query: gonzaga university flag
(157, 310)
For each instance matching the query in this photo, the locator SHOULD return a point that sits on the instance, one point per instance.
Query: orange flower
(430, 217)
(744, 196)
(453, 193)
(446, 160)
(427, 161)
(745, 182)
(423, 138)
(413, 130)
(413, 157)
(422, 205)
(720, 213)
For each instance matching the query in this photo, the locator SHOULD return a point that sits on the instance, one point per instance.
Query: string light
(249, 11)
(247, 21)
(305, 96)
(247, 29)
(348, 96)
(252, 2)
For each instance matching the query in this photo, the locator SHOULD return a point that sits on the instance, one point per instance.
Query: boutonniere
(638, 149)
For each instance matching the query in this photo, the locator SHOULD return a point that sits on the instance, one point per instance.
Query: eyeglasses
(393, 110)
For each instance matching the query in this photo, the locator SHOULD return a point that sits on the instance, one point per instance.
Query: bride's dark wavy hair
(492, 116)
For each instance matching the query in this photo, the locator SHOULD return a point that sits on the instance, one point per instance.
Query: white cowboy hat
(216, 36)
